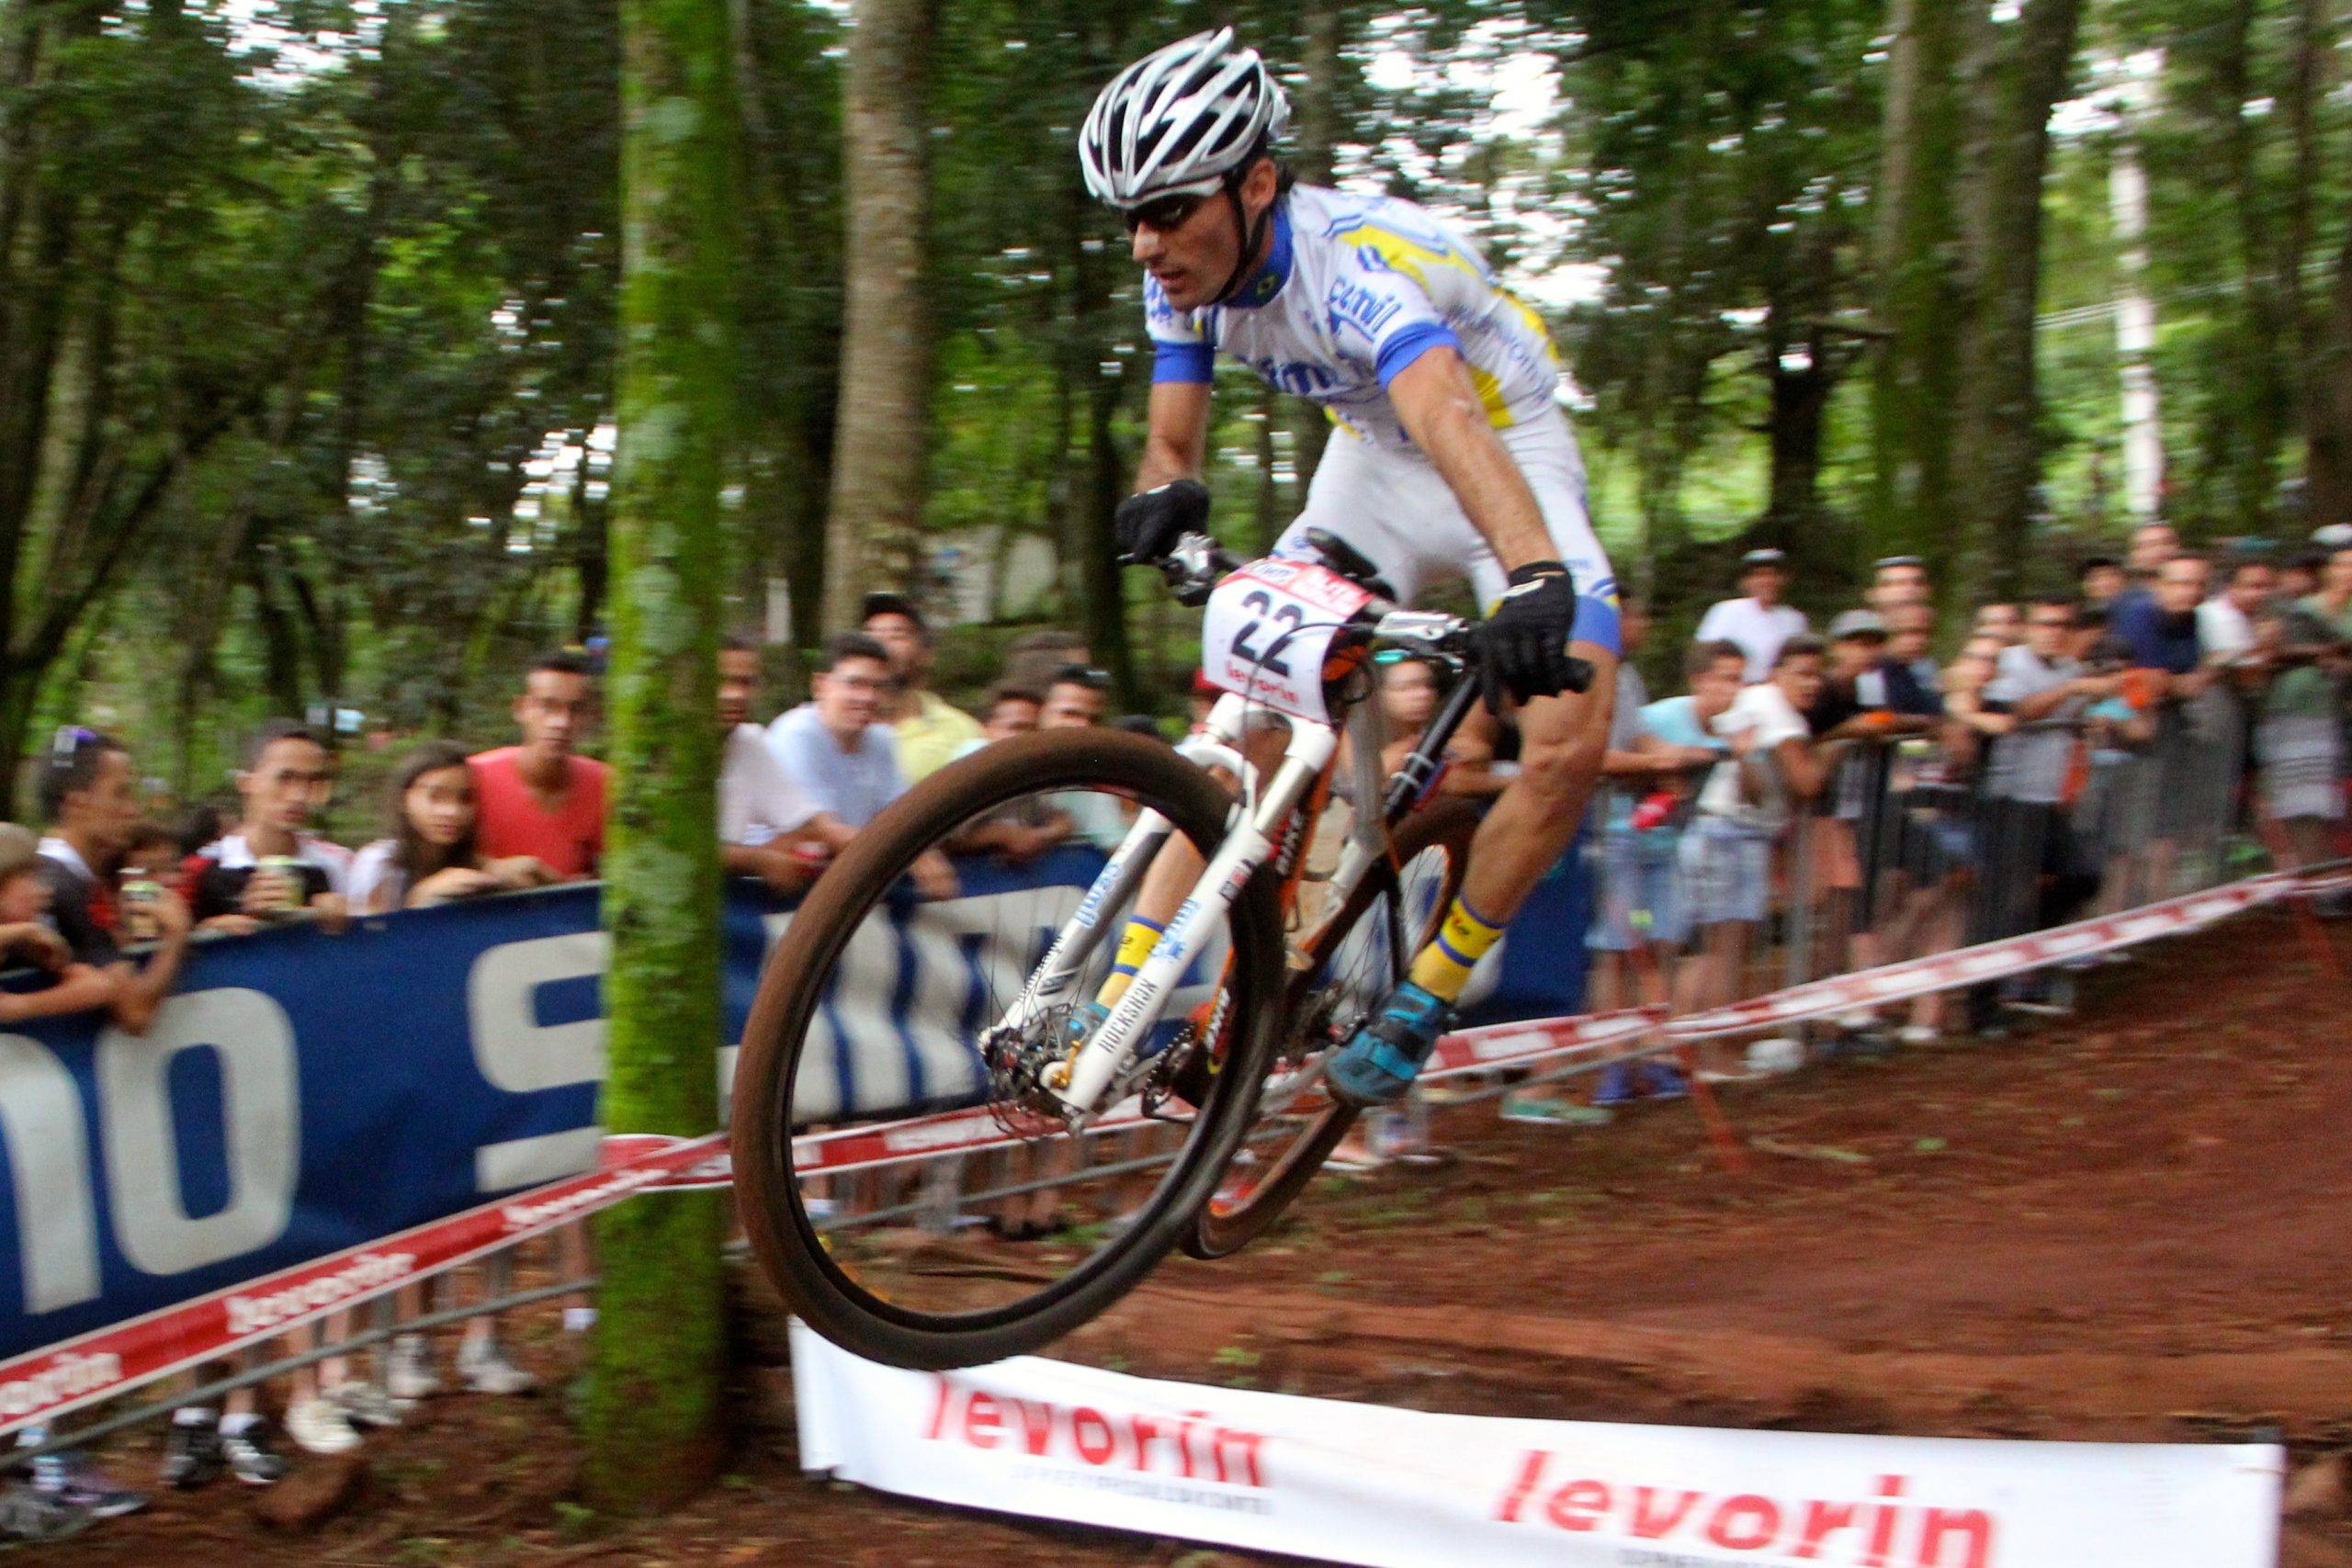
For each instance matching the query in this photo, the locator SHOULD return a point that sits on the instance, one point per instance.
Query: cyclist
(1449, 456)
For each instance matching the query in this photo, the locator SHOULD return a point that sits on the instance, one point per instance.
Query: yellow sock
(1445, 965)
(1135, 945)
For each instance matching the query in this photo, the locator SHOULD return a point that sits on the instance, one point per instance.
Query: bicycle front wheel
(902, 1180)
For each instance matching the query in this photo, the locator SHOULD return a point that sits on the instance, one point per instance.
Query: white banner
(1364, 1484)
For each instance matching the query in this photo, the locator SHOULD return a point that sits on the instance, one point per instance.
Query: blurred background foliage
(307, 315)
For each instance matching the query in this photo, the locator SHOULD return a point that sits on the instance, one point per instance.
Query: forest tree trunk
(881, 445)
(1918, 305)
(1997, 457)
(657, 1358)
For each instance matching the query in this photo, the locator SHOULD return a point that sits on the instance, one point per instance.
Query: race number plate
(1270, 627)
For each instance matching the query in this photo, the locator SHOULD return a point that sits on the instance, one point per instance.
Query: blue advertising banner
(304, 1093)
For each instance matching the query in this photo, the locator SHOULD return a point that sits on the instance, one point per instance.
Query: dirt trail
(2128, 1225)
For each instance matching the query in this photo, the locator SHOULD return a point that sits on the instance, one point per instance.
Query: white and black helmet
(1179, 121)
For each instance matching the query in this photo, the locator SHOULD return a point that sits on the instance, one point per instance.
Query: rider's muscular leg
(1562, 740)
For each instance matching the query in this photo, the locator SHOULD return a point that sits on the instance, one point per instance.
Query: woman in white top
(431, 857)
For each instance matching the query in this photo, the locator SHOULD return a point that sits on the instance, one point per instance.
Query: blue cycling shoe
(1381, 1060)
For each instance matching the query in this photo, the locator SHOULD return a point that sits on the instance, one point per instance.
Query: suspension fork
(1247, 846)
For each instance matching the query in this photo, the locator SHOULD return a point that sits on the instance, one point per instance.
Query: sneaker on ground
(483, 1366)
(317, 1426)
(69, 1475)
(1384, 1056)
(365, 1404)
(1918, 1035)
(1662, 1080)
(30, 1514)
(97, 1493)
(1551, 1112)
(192, 1452)
(1781, 1054)
(1616, 1086)
(409, 1373)
(251, 1458)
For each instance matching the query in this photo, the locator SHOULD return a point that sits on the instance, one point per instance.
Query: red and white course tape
(63, 1377)
(50, 1382)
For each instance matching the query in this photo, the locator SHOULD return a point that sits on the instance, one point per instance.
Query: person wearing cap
(1896, 580)
(930, 731)
(1758, 621)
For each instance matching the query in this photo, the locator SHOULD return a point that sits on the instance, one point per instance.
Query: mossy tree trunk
(653, 1415)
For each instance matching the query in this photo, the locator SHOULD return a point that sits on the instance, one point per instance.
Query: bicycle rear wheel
(1345, 968)
(886, 1232)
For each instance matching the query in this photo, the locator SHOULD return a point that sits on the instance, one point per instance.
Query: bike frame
(1261, 816)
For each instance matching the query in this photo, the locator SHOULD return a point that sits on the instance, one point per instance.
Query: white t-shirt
(2224, 631)
(1766, 715)
(757, 800)
(372, 868)
(1759, 632)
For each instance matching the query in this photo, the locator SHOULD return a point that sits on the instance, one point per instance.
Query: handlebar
(1198, 563)
(1194, 568)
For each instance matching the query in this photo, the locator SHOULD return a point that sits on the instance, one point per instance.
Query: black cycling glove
(1525, 641)
(1148, 526)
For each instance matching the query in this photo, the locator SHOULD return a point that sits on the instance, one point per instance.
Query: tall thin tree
(882, 445)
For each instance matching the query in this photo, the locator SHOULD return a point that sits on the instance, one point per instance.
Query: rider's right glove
(1526, 640)
(1148, 526)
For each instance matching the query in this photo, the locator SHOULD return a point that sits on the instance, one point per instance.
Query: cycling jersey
(1352, 290)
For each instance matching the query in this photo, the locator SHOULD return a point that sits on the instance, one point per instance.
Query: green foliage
(308, 316)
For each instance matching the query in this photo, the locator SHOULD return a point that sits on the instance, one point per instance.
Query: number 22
(1290, 618)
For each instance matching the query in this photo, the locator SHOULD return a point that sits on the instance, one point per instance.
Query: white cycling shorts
(1395, 508)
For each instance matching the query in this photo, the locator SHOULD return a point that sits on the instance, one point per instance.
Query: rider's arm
(1442, 412)
(1177, 442)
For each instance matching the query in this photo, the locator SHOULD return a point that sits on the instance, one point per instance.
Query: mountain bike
(1081, 1147)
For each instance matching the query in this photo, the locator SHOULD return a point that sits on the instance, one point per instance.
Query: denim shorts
(1727, 872)
(1636, 890)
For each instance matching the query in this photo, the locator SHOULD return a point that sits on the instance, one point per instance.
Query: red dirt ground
(2124, 1226)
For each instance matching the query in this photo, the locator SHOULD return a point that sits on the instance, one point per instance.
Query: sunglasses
(1162, 213)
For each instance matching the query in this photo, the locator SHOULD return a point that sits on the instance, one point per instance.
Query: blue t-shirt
(2158, 641)
(1675, 720)
(853, 787)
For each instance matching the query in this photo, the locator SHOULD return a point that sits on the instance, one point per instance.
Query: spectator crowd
(1804, 802)
(1811, 804)
(97, 914)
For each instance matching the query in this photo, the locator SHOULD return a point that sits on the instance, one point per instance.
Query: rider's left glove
(1148, 526)
(1525, 641)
